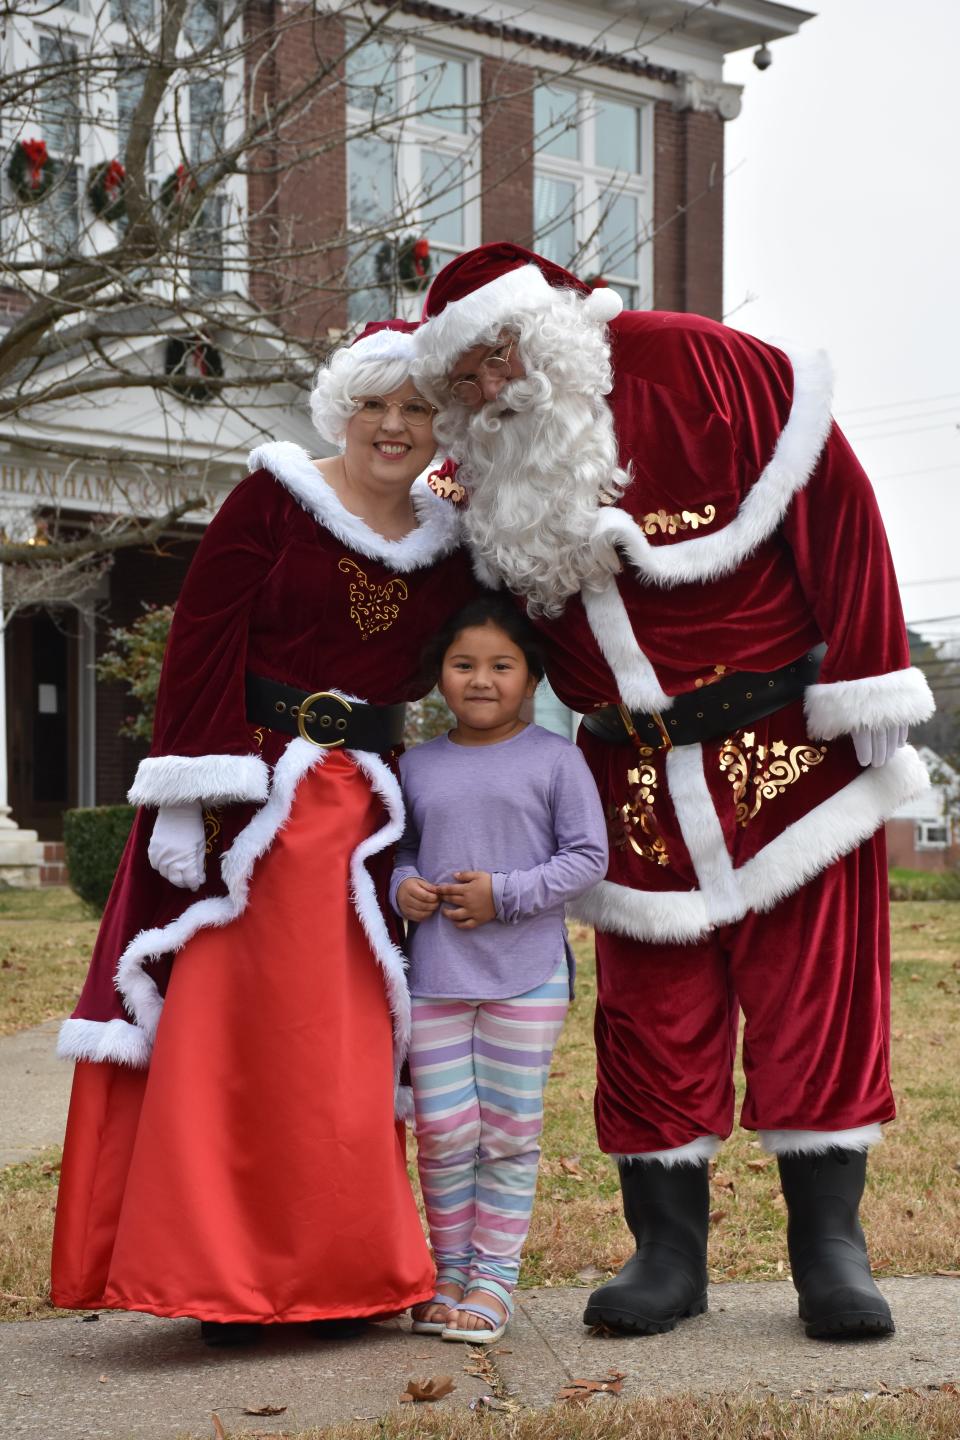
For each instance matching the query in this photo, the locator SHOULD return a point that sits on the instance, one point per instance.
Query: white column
(20, 850)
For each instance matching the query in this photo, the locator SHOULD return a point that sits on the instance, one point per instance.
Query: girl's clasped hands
(468, 901)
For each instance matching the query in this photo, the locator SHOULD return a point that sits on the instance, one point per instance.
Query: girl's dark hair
(493, 609)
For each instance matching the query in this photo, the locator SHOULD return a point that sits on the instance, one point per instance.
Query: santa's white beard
(536, 476)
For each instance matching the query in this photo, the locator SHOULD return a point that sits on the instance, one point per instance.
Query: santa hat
(385, 340)
(487, 286)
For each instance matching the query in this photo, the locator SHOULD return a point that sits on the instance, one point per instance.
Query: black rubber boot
(229, 1332)
(828, 1252)
(667, 1208)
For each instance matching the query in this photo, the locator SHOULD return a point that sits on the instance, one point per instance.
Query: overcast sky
(843, 229)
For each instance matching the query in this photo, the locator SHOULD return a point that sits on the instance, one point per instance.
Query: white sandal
(498, 1326)
(449, 1276)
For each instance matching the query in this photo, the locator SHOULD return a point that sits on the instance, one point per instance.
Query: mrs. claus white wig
(376, 363)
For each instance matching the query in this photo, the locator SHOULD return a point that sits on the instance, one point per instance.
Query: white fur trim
(216, 779)
(719, 552)
(99, 1040)
(695, 1152)
(703, 835)
(403, 1104)
(602, 305)
(816, 1142)
(384, 345)
(438, 524)
(635, 676)
(799, 852)
(390, 958)
(139, 991)
(900, 697)
(458, 327)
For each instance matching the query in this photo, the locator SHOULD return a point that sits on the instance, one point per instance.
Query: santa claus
(704, 555)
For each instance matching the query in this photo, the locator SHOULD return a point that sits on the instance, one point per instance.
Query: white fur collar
(710, 555)
(438, 524)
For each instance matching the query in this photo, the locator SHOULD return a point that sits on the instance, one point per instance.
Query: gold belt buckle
(627, 719)
(305, 714)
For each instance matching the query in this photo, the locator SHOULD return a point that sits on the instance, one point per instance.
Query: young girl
(504, 826)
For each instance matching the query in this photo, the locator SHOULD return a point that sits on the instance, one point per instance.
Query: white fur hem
(901, 697)
(816, 1142)
(799, 852)
(720, 552)
(438, 524)
(99, 1040)
(403, 1103)
(139, 991)
(695, 1152)
(213, 779)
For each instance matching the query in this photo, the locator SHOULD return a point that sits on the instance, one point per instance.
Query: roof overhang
(727, 24)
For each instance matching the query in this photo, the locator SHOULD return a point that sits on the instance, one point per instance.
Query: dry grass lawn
(912, 1208)
(45, 941)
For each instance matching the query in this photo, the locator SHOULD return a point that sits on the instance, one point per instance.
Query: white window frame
(922, 834)
(412, 136)
(592, 180)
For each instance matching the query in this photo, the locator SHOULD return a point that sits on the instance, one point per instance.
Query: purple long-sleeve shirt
(526, 810)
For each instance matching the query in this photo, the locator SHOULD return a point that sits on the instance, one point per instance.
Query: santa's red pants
(812, 977)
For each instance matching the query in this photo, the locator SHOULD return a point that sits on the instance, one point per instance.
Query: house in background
(593, 133)
(924, 834)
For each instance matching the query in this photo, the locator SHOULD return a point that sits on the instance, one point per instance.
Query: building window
(593, 193)
(206, 146)
(932, 835)
(411, 163)
(58, 110)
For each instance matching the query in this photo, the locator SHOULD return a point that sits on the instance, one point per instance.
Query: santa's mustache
(521, 396)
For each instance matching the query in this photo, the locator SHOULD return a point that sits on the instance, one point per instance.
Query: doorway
(41, 680)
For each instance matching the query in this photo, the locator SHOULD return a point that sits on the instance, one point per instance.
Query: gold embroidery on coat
(211, 828)
(635, 817)
(759, 774)
(670, 524)
(372, 605)
(258, 736)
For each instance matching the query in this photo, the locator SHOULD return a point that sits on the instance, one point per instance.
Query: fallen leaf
(589, 1275)
(264, 1409)
(759, 1164)
(570, 1164)
(914, 977)
(949, 1274)
(581, 1390)
(432, 1388)
(716, 1216)
(101, 1379)
(723, 1181)
(491, 1402)
(218, 1429)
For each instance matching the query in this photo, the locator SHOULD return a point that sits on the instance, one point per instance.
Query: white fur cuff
(817, 1142)
(901, 697)
(695, 1152)
(214, 779)
(101, 1040)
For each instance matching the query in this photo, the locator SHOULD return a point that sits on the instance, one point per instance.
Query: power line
(912, 474)
(920, 430)
(860, 425)
(940, 580)
(894, 404)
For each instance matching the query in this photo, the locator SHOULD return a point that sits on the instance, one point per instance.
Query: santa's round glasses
(468, 390)
(373, 409)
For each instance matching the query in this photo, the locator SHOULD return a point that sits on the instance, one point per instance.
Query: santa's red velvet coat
(748, 534)
(287, 584)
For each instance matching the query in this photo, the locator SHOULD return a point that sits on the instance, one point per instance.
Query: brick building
(592, 132)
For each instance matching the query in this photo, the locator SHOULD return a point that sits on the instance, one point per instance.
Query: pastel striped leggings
(479, 1068)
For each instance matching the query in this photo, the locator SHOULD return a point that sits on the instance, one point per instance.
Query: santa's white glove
(877, 744)
(178, 845)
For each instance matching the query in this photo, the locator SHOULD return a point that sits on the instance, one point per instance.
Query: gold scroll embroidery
(211, 829)
(372, 606)
(759, 774)
(670, 524)
(634, 818)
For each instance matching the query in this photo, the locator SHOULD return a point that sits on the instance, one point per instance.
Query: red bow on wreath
(421, 255)
(37, 157)
(113, 177)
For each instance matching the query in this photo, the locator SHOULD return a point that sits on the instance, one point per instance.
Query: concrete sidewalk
(133, 1377)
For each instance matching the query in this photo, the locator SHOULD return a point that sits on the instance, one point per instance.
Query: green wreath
(105, 189)
(177, 187)
(32, 170)
(406, 262)
(199, 362)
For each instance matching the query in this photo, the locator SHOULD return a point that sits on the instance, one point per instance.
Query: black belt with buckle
(323, 718)
(729, 704)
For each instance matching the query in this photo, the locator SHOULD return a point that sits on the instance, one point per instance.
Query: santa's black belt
(729, 704)
(323, 718)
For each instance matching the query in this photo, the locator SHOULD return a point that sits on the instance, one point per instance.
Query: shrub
(135, 658)
(94, 841)
(924, 884)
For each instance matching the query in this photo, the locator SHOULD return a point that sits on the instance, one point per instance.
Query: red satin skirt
(254, 1172)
